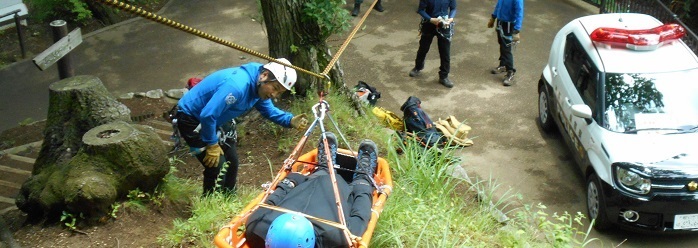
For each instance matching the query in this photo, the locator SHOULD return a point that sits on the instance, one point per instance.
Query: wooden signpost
(59, 51)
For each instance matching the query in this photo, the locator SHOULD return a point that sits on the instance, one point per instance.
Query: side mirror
(582, 111)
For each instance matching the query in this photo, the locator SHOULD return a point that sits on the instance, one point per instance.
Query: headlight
(632, 181)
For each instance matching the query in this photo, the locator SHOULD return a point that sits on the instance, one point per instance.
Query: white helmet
(285, 75)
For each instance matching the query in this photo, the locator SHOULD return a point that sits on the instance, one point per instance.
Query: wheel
(544, 117)
(596, 206)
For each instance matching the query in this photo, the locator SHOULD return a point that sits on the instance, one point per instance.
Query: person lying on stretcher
(313, 195)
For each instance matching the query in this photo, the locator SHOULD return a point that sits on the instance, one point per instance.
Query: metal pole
(65, 68)
(21, 35)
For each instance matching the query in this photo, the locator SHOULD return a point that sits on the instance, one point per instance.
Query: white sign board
(59, 49)
(9, 6)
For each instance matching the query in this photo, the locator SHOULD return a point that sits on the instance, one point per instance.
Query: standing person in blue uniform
(357, 7)
(508, 16)
(222, 96)
(437, 20)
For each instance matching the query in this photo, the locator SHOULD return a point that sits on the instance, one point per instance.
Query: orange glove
(213, 154)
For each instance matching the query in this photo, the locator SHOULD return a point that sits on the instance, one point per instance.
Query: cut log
(116, 158)
(76, 105)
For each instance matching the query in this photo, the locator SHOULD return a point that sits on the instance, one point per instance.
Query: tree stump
(115, 158)
(76, 105)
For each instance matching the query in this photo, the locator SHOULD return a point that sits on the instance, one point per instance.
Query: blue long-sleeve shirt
(510, 11)
(434, 8)
(226, 94)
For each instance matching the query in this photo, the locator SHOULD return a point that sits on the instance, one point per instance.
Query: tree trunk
(76, 105)
(116, 158)
(286, 29)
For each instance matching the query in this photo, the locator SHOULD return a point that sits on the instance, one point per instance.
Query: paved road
(509, 147)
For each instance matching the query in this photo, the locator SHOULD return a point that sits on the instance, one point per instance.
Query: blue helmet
(290, 230)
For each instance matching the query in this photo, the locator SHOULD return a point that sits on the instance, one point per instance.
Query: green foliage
(429, 207)
(137, 199)
(70, 10)
(26, 122)
(221, 175)
(177, 190)
(70, 220)
(114, 209)
(534, 226)
(77, 11)
(348, 123)
(329, 15)
(208, 215)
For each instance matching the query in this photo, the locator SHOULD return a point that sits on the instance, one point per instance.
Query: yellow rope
(346, 42)
(154, 17)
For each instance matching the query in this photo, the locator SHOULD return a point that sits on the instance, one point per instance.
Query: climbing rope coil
(320, 111)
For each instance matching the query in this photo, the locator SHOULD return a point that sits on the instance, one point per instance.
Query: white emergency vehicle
(622, 89)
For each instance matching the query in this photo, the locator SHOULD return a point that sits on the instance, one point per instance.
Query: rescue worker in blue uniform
(508, 15)
(222, 96)
(437, 20)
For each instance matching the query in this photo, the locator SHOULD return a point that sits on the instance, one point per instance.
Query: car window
(636, 101)
(582, 72)
(574, 56)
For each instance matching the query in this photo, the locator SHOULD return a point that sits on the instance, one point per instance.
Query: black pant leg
(231, 156)
(361, 200)
(186, 125)
(428, 33)
(506, 58)
(445, 55)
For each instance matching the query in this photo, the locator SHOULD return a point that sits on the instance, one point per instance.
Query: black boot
(378, 7)
(357, 8)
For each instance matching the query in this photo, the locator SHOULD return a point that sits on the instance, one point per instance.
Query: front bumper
(655, 215)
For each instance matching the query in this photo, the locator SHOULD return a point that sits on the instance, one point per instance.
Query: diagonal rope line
(154, 17)
(349, 38)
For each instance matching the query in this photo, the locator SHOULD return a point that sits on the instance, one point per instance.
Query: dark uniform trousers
(186, 125)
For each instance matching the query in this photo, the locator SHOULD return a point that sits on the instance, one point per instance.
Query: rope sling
(320, 110)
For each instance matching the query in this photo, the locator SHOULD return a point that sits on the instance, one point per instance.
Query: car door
(577, 76)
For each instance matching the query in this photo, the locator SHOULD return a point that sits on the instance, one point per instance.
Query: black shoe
(357, 8)
(509, 79)
(446, 82)
(499, 69)
(366, 161)
(321, 155)
(378, 7)
(414, 72)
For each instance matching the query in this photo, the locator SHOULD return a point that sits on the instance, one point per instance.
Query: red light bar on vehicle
(643, 39)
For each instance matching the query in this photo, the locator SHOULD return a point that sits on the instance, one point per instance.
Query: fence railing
(654, 8)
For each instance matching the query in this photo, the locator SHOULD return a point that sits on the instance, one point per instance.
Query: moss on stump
(76, 105)
(114, 158)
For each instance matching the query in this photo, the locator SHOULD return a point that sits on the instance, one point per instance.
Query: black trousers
(444, 44)
(506, 57)
(212, 175)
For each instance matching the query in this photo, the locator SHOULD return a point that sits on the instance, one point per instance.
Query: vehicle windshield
(658, 102)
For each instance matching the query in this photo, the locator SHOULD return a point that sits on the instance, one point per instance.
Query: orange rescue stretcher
(233, 235)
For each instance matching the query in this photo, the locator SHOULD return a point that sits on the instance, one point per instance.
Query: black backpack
(367, 93)
(418, 124)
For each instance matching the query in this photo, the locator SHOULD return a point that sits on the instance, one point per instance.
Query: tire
(596, 205)
(545, 118)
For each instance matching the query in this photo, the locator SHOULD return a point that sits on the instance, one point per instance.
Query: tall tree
(298, 30)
